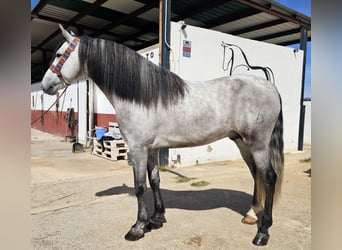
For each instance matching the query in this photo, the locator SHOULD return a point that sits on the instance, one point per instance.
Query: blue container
(99, 132)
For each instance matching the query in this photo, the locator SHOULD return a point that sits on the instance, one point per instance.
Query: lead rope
(42, 115)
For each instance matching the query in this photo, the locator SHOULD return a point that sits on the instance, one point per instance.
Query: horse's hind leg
(268, 178)
(251, 216)
(157, 218)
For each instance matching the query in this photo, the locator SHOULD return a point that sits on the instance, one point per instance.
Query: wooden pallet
(113, 150)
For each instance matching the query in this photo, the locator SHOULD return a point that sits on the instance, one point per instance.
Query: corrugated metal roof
(245, 22)
(42, 29)
(148, 36)
(125, 30)
(269, 30)
(151, 15)
(92, 21)
(57, 12)
(124, 6)
(135, 22)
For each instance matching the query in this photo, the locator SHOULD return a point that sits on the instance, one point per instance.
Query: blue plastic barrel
(99, 132)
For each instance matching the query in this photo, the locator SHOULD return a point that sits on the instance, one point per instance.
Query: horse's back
(236, 93)
(239, 103)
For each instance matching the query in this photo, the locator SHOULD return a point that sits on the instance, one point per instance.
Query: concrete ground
(81, 201)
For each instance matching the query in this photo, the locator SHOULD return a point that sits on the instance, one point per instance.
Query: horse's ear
(66, 34)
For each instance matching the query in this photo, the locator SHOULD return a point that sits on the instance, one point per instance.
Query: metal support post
(303, 43)
(164, 59)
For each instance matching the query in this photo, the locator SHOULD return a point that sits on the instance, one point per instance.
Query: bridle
(57, 69)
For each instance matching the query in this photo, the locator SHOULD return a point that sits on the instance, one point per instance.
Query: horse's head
(65, 68)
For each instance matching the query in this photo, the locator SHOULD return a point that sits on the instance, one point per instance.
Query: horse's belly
(189, 137)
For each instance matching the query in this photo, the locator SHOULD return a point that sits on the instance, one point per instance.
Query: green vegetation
(182, 179)
(200, 184)
(163, 168)
(306, 160)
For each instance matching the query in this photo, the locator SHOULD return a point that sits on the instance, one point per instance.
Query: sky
(302, 6)
(34, 3)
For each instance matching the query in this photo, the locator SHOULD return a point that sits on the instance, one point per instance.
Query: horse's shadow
(207, 199)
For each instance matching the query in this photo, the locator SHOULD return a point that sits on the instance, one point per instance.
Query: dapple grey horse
(156, 109)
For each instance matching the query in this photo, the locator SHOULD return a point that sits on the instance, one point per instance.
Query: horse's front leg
(139, 160)
(158, 217)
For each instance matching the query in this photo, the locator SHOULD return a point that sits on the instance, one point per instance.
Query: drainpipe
(91, 125)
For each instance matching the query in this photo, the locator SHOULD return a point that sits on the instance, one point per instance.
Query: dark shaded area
(237, 201)
(308, 172)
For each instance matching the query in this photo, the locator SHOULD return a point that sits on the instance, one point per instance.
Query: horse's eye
(58, 55)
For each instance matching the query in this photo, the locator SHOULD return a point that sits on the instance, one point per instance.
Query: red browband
(57, 69)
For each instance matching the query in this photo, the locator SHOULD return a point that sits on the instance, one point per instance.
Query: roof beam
(292, 42)
(81, 14)
(192, 10)
(230, 18)
(126, 18)
(185, 14)
(41, 4)
(69, 23)
(279, 34)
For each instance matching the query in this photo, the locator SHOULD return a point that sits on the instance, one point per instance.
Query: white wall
(151, 53)
(101, 103)
(68, 100)
(307, 123)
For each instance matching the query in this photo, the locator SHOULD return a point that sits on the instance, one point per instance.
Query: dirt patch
(195, 241)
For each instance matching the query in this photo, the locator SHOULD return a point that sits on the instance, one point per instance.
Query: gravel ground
(81, 201)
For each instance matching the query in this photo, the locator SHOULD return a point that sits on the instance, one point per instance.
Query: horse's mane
(114, 67)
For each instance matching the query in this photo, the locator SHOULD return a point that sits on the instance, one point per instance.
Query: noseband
(57, 69)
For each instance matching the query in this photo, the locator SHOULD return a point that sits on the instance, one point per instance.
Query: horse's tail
(276, 154)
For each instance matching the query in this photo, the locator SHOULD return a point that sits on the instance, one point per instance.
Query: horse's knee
(155, 182)
(140, 190)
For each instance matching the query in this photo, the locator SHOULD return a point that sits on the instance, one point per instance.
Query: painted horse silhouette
(156, 109)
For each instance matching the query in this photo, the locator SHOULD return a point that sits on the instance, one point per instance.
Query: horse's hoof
(156, 222)
(134, 234)
(261, 239)
(249, 220)
(154, 225)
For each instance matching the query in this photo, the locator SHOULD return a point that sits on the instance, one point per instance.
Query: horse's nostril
(44, 88)
(47, 89)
